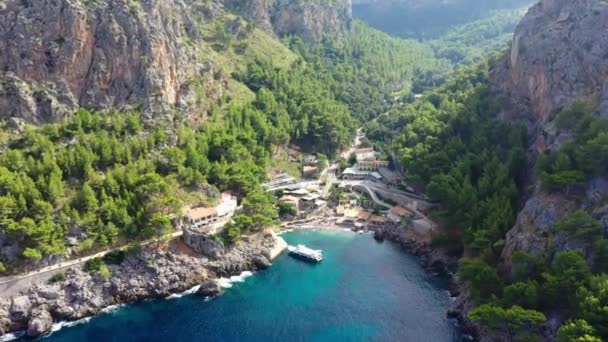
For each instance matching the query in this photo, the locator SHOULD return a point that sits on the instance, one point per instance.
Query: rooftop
(306, 169)
(364, 215)
(288, 198)
(352, 213)
(364, 150)
(400, 211)
(199, 213)
(378, 219)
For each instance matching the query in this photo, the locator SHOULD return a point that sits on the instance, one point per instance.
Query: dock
(305, 253)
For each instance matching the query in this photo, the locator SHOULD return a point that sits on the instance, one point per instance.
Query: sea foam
(185, 293)
(12, 336)
(227, 282)
(58, 326)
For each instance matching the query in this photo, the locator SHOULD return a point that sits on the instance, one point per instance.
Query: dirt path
(10, 286)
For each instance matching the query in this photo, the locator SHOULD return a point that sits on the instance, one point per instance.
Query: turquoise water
(362, 291)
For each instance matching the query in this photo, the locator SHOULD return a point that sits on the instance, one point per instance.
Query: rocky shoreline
(145, 274)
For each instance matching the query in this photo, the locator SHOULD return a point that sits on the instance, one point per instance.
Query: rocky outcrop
(203, 243)
(209, 289)
(144, 274)
(432, 258)
(58, 55)
(40, 322)
(310, 19)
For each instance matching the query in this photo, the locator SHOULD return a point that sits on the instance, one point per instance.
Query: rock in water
(40, 323)
(209, 289)
(379, 235)
(261, 262)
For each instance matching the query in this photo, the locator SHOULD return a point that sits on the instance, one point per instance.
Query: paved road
(300, 185)
(74, 262)
(373, 195)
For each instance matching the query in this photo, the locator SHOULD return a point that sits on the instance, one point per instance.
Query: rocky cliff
(142, 275)
(558, 54)
(312, 20)
(154, 55)
(57, 55)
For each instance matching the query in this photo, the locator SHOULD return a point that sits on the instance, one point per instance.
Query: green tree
(593, 304)
(260, 206)
(568, 272)
(480, 278)
(524, 294)
(86, 199)
(577, 331)
(580, 224)
(512, 321)
(232, 234)
(32, 254)
(527, 266)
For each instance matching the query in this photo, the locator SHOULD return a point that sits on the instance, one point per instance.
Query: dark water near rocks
(362, 291)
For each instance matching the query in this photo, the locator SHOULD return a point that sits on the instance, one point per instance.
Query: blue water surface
(362, 291)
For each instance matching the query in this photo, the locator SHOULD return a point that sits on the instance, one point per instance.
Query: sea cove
(363, 290)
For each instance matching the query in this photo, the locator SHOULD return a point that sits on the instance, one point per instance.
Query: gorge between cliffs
(156, 158)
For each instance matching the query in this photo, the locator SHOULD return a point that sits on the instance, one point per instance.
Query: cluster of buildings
(210, 220)
(367, 166)
(349, 214)
(304, 202)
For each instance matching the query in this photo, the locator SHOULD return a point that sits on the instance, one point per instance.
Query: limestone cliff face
(559, 54)
(57, 55)
(312, 20)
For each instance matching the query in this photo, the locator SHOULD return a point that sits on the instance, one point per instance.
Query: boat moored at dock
(305, 253)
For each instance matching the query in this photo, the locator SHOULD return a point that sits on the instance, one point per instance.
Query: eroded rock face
(57, 55)
(558, 54)
(311, 20)
(40, 323)
(535, 224)
(203, 243)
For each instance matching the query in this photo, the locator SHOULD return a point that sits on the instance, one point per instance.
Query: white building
(211, 220)
(363, 154)
(354, 174)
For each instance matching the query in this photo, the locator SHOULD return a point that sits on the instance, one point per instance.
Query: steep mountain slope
(558, 55)
(59, 55)
(311, 20)
(160, 56)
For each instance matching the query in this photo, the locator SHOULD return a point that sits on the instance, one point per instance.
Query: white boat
(303, 252)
